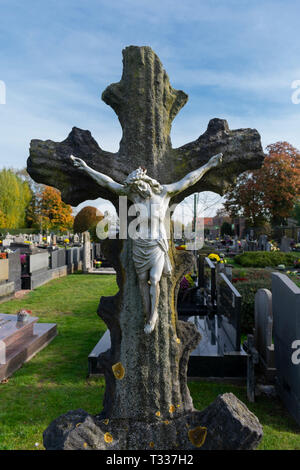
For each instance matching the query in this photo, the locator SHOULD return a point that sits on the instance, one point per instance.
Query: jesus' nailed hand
(150, 255)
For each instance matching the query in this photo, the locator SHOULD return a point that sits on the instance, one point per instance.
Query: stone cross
(147, 403)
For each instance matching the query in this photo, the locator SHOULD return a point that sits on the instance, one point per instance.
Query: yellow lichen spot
(118, 370)
(171, 409)
(166, 422)
(197, 436)
(85, 445)
(178, 340)
(157, 414)
(106, 421)
(108, 437)
(151, 444)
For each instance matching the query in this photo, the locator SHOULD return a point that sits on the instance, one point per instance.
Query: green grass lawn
(54, 381)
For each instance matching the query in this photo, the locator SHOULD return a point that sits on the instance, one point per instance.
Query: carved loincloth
(147, 253)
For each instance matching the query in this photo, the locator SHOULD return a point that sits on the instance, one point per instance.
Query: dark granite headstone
(15, 269)
(286, 330)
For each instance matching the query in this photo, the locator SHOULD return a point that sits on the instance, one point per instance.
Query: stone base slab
(226, 424)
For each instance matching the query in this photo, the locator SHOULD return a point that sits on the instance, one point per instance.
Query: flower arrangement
(297, 263)
(66, 240)
(28, 242)
(3, 255)
(97, 264)
(181, 247)
(44, 239)
(23, 259)
(273, 246)
(186, 282)
(214, 257)
(23, 315)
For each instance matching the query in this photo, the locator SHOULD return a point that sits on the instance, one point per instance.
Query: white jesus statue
(150, 254)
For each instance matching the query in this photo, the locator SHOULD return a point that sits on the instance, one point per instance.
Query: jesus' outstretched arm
(194, 176)
(103, 180)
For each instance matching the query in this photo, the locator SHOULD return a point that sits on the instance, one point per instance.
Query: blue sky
(235, 59)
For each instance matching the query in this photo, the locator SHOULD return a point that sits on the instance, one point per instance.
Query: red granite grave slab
(11, 330)
(21, 347)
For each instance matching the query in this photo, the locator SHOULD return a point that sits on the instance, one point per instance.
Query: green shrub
(262, 259)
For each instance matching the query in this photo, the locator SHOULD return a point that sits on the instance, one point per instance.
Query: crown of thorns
(136, 175)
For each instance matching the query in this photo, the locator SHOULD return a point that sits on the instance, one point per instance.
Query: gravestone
(4, 272)
(286, 329)
(6, 242)
(15, 270)
(285, 245)
(38, 261)
(146, 386)
(263, 334)
(86, 252)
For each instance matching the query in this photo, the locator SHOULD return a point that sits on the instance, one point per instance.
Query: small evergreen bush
(262, 259)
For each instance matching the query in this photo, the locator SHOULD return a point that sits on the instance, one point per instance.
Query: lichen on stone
(108, 437)
(197, 436)
(118, 370)
(171, 409)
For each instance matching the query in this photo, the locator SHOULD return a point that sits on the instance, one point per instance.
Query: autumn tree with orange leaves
(49, 212)
(270, 193)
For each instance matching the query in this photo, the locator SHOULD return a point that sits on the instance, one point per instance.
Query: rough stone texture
(146, 105)
(150, 398)
(229, 423)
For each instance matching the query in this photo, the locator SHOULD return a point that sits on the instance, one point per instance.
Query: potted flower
(297, 263)
(214, 257)
(23, 315)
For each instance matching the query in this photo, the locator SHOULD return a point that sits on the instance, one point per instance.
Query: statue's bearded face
(141, 187)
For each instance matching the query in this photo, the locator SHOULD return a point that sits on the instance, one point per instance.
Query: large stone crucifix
(147, 404)
(150, 245)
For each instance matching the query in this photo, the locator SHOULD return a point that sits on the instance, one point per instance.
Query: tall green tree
(15, 197)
